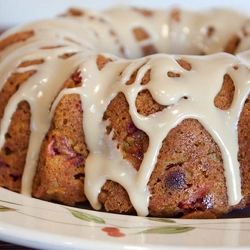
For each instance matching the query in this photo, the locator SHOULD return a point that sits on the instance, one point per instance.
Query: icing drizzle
(189, 96)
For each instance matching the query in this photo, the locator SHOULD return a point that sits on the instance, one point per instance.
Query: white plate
(44, 225)
(38, 224)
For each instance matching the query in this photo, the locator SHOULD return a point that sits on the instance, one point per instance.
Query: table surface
(8, 246)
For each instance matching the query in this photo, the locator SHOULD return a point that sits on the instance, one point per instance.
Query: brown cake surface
(96, 95)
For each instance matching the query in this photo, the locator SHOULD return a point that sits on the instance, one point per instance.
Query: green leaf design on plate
(86, 217)
(10, 202)
(165, 220)
(6, 209)
(168, 230)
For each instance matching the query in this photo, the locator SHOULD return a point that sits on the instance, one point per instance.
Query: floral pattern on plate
(37, 224)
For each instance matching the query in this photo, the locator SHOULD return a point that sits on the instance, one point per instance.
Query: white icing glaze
(93, 33)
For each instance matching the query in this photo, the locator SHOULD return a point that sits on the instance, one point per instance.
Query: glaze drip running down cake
(132, 110)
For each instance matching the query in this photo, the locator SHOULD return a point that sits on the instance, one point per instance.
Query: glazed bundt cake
(131, 110)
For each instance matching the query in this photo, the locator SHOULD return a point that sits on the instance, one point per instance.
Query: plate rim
(11, 233)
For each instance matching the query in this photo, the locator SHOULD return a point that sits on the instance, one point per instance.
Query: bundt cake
(132, 110)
